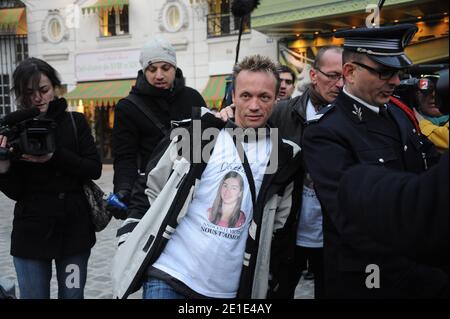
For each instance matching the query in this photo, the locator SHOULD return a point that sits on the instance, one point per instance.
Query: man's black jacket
(135, 137)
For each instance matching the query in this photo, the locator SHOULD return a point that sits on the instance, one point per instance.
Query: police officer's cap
(384, 45)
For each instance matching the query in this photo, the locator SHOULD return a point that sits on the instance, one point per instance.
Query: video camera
(426, 79)
(27, 134)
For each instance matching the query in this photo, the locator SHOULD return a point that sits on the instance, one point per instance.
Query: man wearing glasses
(363, 126)
(326, 76)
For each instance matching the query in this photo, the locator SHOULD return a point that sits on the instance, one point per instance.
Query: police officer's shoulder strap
(136, 100)
(316, 118)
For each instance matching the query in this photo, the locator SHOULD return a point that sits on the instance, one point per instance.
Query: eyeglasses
(383, 74)
(332, 76)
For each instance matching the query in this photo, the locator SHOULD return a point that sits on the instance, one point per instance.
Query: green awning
(215, 91)
(105, 5)
(100, 93)
(280, 16)
(10, 18)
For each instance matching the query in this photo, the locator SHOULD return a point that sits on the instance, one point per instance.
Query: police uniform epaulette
(320, 114)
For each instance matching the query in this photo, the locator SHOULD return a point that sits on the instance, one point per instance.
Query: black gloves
(120, 213)
(124, 196)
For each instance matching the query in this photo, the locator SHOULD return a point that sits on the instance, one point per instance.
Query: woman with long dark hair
(51, 215)
(226, 210)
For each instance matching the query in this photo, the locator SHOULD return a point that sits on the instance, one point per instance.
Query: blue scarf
(439, 121)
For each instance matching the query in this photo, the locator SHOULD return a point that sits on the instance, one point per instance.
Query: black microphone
(19, 116)
(241, 8)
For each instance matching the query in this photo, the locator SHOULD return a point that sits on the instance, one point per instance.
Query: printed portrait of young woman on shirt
(226, 210)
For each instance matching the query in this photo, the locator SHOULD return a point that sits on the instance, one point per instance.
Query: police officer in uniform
(363, 126)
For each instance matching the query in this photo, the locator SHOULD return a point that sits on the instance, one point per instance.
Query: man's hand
(226, 113)
(124, 196)
(119, 213)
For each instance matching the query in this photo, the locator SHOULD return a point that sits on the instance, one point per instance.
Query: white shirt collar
(310, 111)
(373, 108)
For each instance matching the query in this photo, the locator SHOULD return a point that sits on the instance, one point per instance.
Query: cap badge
(357, 112)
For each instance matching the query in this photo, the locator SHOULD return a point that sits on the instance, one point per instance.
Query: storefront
(304, 27)
(103, 79)
(13, 49)
(215, 91)
(97, 100)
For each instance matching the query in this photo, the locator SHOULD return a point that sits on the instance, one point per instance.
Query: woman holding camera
(51, 215)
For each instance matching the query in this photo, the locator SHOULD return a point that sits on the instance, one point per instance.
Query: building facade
(13, 48)
(95, 45)
(303, 27)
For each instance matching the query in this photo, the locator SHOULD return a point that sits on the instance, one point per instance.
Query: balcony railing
(4, 4)
(220, 25)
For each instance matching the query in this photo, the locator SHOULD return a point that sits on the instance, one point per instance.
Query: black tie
(389, 121)
(383, 112)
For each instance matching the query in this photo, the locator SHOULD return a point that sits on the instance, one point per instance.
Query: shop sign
(109, 65)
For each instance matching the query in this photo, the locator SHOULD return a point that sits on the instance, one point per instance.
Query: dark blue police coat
(349, 133)
(404, 210)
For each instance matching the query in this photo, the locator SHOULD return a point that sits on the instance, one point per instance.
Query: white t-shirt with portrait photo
(204, 254)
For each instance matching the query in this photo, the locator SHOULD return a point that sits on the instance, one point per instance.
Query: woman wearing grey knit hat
(143, 118)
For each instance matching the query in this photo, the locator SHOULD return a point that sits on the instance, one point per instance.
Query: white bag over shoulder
(129, 261)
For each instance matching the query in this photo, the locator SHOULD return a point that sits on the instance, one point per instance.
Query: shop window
(221, 22)
(114, 22)
(21, 48)
(5, 97)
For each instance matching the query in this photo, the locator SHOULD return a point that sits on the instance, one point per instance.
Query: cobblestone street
(98, 284)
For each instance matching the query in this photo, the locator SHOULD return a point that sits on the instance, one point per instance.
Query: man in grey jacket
(208, 223)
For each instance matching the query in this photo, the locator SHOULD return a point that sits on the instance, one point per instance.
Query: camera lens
(35, 144)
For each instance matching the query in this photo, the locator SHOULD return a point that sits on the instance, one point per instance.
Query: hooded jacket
(135, 137)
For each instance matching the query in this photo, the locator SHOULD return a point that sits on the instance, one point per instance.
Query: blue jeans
(159, 289)
(34, 276)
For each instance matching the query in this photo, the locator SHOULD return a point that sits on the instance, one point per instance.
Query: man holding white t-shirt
(204, 224)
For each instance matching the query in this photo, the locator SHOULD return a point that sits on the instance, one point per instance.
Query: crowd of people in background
(361, 179)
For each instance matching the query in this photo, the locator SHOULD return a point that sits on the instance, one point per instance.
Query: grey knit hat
(157, 49)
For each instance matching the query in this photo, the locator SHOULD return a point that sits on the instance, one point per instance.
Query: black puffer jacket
(51, 216)
(135, 137)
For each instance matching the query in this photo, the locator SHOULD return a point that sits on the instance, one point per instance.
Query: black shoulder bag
(100, 216)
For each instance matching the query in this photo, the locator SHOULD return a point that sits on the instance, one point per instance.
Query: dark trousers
(288, 280)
